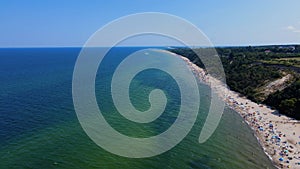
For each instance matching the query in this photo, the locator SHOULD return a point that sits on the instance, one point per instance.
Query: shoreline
(278, 135)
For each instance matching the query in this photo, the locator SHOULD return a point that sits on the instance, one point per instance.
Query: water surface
(39, 127)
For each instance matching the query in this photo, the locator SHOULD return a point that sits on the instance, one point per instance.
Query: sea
(39, 127)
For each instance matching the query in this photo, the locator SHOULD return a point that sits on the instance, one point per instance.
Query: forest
(249, 69)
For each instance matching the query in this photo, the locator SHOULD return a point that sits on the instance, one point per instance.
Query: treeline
(245, 72)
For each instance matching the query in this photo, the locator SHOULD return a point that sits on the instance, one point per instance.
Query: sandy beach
(278, 134)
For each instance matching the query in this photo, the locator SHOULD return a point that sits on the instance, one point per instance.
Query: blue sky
(34, 23)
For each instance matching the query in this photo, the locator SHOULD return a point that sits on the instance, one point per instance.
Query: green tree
(288, 106)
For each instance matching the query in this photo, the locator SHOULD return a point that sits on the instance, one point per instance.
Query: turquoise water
(39, 127)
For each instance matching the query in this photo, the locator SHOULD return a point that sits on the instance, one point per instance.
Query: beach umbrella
(281, 159)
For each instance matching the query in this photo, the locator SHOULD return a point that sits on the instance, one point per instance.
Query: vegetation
(248, 69)
(287, 100)
(284, 61)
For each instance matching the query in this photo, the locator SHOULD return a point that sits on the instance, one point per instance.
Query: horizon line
(242, 45)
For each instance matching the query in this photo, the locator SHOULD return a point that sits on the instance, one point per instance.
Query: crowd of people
(278, 135)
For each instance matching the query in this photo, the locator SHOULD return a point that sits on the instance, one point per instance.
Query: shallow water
(39, 127)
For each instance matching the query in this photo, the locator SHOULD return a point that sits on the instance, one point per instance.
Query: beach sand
(278, 134)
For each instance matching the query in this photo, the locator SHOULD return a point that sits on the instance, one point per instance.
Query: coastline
(278, 135)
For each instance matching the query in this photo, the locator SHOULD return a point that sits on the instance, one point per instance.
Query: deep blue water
(39, 127)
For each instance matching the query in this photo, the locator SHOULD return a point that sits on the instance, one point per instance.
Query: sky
(60, 23)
